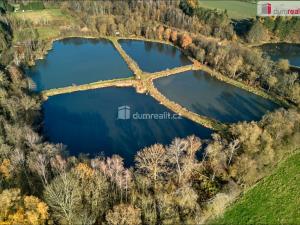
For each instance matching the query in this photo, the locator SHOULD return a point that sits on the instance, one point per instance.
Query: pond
(75, 61)
(153, 56)
(283, 51)
(92, 122)
(205, 95)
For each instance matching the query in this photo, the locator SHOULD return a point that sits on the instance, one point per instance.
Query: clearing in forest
(235, 9)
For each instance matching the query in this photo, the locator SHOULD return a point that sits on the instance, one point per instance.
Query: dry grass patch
(44, 16)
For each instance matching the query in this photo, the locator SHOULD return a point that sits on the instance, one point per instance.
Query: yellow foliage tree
(84, 171)
(18, 209)
(124, 214)
(192, 3)
(5, 168)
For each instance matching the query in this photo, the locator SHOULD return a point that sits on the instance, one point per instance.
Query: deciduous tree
(185, 40)
(124, 214)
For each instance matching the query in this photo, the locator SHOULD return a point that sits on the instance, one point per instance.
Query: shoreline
(270, 42)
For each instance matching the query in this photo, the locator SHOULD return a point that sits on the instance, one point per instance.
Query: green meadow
(275, 200)
(235, 9)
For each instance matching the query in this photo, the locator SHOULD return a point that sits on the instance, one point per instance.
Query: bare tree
(175, 153)
(151, 161)
(232, 148)
(38, 163)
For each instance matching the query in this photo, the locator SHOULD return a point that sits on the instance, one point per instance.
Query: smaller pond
(75, 61)
(205, 95)
(154, 56)
(87, 122)
(283, 51)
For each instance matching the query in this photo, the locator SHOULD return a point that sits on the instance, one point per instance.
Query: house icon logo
(266, 8)
(124, 112)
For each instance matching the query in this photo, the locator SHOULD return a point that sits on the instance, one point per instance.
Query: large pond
(283, 51)
(205, 95)
(76, 61)
(154, 57)
(92, 122)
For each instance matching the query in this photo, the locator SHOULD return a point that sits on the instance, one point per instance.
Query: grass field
(235, 9)
(47, 33)
(44, 33)
(275, 200)
(40, 16)
(47, 23)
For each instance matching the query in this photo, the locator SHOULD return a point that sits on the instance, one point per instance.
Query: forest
(40, 183)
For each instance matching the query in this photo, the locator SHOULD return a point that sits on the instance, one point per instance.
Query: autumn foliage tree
(160, 32)
(174, 36)
(167, 34)
(185, 41)
(18, 209)
(124, 215)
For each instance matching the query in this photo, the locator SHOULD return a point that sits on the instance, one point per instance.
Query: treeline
(277, 28)
(219, 21)
(284, 27)
(137, 13)
(36, 5)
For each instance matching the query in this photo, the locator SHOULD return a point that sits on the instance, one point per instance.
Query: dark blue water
(76, 61)
(87, 122)
(205, 95)
(153, 56)
(283, 51)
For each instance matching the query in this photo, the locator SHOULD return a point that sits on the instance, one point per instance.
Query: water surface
(87, 122)
(205, 95)
(283, 51)
(75, 61)
(154, 56)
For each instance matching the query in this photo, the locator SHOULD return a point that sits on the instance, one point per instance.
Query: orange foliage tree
(185, 41)
(174, 36)
(160, 32)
